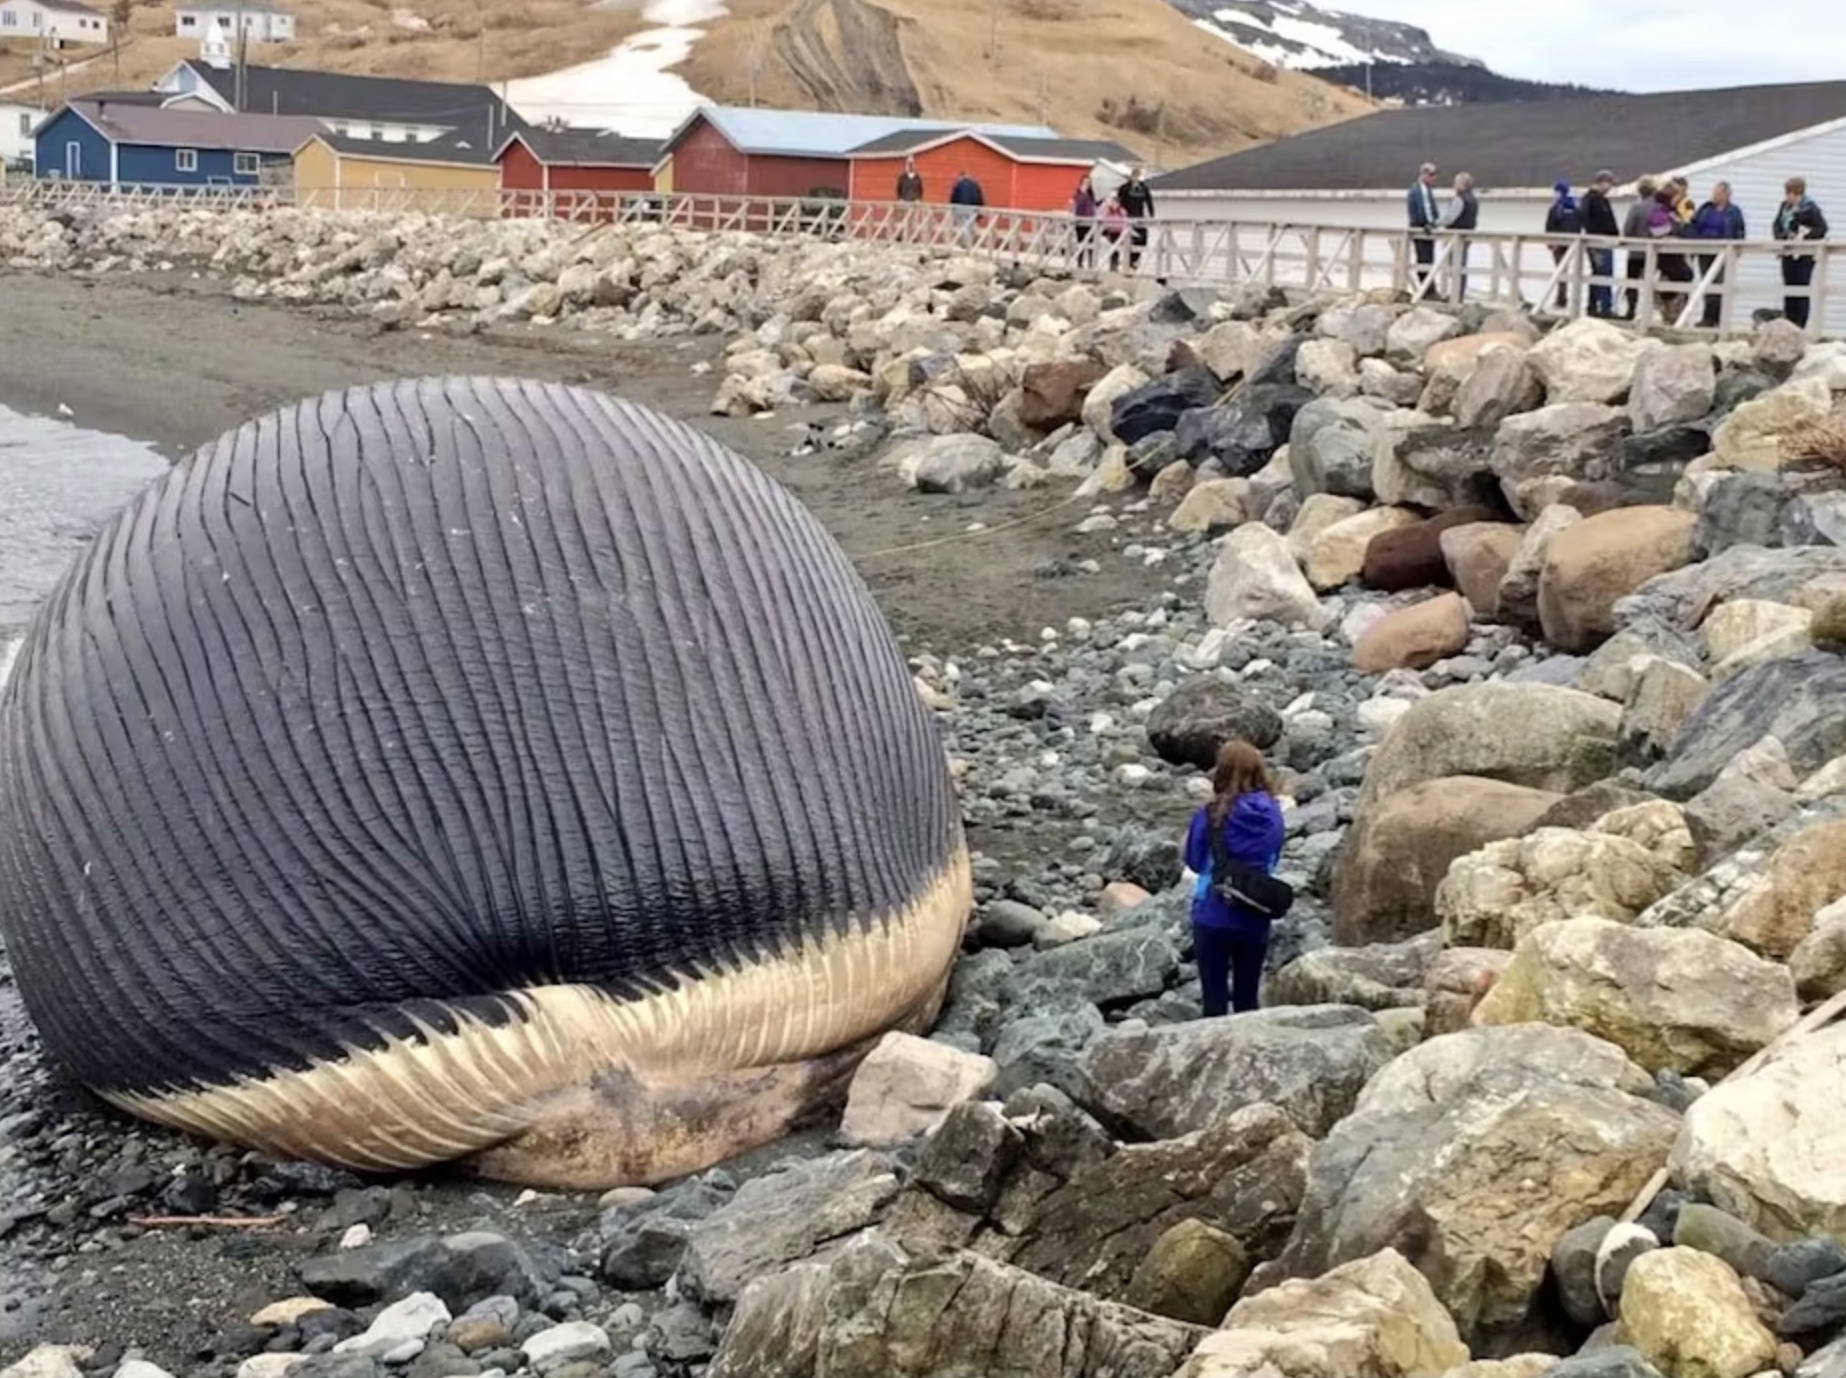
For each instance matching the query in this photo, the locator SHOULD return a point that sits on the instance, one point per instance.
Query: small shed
(1016, 172)
(733, 151)
(1355, 174)
(142, 145)
(452, 176)
(553, 160)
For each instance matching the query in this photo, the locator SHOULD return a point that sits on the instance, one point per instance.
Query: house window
(246, 164)
(188, 21)
(8, 18)
(25, 125)
(185, 160)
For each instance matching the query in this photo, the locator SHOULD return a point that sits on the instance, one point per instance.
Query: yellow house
(448, 176)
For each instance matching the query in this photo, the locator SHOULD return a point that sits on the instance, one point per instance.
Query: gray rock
(1615, 1361)
(1793, 1268)
(1821, 1312)
(1330, 446)
(1715, 1232)
(1647, 467)
(1741, 509)
(1795, 700)
(1436, 467)
(646, 1253)
(1672, 386)
(462, 1269)
(876, 1312)
(967, 1157)
(1829, 1361)
(1381, 977)
(1008, 923)
(1157, 406)
(1241, 436)
(953, 463)
(1573, 1267)
(1201, 715)
(1503, 384)
(1681, 597)
(1046, 1048)
(777, 1219)
(1146, 856)
(1567, 439)
(1731, 812)
(1112, 968)
(1163, 1082)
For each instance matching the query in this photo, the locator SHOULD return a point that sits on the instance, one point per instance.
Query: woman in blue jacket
(1230, 941)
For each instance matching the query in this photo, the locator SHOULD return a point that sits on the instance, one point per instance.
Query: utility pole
(480, 41)
(239, 82)
(993, 34)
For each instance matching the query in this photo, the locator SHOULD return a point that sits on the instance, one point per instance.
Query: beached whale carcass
(472, 769)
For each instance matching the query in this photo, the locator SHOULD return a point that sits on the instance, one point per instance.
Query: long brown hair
(1240, 771)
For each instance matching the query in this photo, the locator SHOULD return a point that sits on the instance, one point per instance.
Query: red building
(734, 151)
(558, 161)
(1016, 172)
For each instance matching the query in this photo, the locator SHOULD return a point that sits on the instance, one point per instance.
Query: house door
(73, 159)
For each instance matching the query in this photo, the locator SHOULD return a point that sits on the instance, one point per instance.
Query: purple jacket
(1253, 834)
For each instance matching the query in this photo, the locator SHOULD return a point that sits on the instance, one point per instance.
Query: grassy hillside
(1133, 70)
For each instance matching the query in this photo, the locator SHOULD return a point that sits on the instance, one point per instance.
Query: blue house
(133, 144)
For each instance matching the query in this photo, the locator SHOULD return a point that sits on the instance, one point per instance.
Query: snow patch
(629, 89)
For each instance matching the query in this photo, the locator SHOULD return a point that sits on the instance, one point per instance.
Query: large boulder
(1472, 1154)
(1328, 368)
(950, 463)
(1330, 448)
(1053, 393)
(1592, 565)
(1538, 735)
(1796, 700)
(1255, 578)
(1099, 402)
(1415, 637)
(1410, 557)
(1589, 360)
(1416, 332)
(1335, 555)
(1202, 714)
(1755, 435)
(1158, 405)
(1364, 326)
(1503, 384)
(1396, 854)
(1775, 911)
(1478, 555)
(1238, 438)
(1672, 386)
(1538, 452)
(1689, 1315)
(1374, 1317)
(1518, 601)
(1431, 466)
(1378, 976)
(906, 1085)
(1177, 1078)
(875, 1311)
(1674, 1000)
(1683, 597)
(1495, 896)
(1765, 1146)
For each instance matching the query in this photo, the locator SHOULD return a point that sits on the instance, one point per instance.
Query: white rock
(570, 1343)
(400, 1329)
(49, 1361)
(1256, 577)
(906, 1086)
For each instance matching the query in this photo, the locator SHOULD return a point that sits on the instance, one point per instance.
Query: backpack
(1245, 887)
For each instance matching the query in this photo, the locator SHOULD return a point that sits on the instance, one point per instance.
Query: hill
(1447, 83)
(1133, 70)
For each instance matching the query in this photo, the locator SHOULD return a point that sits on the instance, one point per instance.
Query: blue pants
(1230, 966)
(1602, 299)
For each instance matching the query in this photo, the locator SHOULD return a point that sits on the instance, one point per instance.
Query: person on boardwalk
(1665, 224)
(1599, 222)
(1114, 229)
(967, 199)
(1230, 941)
(1718, 219)
(1083, 209)
(910, 182)
(1563, 218)
(1138, 204)
(1634, 226)
(1424, 216)
(1462, 216)
(1798, 221)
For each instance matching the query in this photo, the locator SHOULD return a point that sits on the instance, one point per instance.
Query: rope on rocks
(1813, 1021)
(957, 537)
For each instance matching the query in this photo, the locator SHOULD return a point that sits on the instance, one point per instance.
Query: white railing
(1694, 285)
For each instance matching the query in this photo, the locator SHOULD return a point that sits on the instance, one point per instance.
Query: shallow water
(58, 484)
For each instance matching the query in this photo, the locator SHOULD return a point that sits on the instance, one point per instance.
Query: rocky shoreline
(1547, 631)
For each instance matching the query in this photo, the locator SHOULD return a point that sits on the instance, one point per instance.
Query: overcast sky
(1634, 45)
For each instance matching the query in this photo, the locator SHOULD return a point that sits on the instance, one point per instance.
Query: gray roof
(1522, 143)
(346, 96)
(448, 149)
(823, 134)
(586, 148)
(145, 124)
(1025, 148)
(70, 7)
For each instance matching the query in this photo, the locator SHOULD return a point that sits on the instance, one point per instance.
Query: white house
(263, 23)
(52, 22)
(1358, 173)
(16, 125)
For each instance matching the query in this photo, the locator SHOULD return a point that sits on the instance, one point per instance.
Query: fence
(1701, 286)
